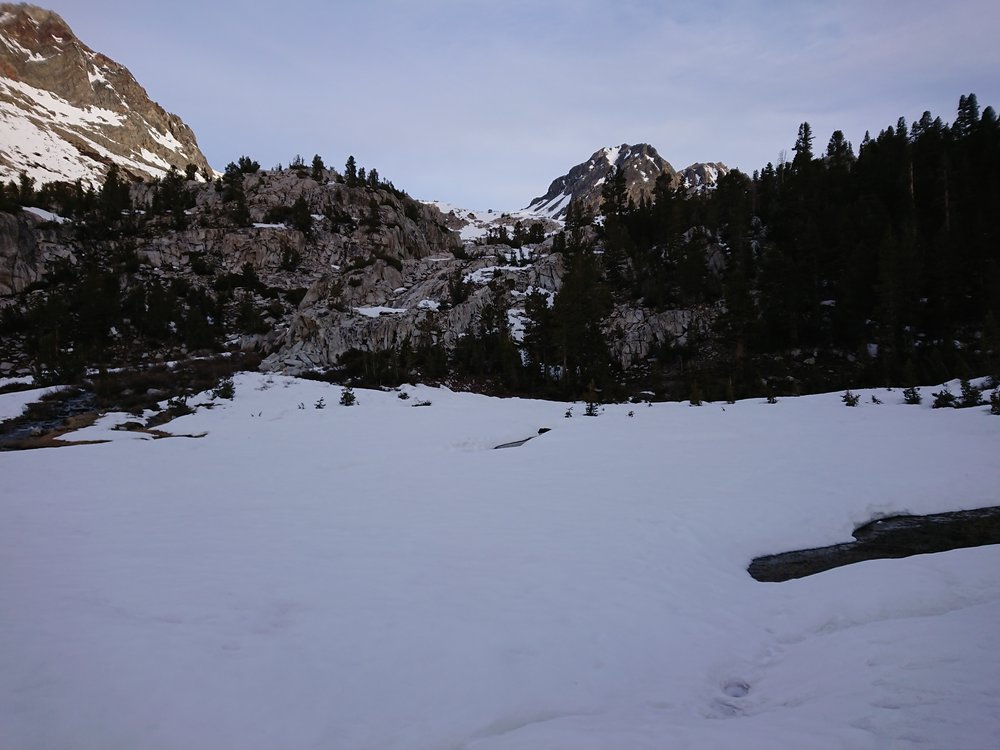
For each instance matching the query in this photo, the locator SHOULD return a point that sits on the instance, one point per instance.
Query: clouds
(483, 103)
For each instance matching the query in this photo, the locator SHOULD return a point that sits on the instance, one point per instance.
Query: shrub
(347, 397)
(321, 404)
(995, 402)
(944, 399)
(971, 395)
(912, 395)
(178, 407)
(850, 399)
(225, 389)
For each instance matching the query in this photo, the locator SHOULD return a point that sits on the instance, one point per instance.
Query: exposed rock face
(641, 166)
(637, 332)
(27, 250)
(68, 112)
(380, 307)
(20, 264)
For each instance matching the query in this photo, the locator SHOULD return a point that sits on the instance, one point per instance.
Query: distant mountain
(67, 112)
(641, 165)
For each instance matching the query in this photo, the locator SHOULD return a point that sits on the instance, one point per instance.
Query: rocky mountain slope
(364, 269)
(641, 165)
(68, 112)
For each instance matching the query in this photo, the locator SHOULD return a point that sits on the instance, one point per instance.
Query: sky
(483, 104)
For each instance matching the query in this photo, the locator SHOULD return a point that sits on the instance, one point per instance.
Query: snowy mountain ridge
(69, 112)
(641, 165)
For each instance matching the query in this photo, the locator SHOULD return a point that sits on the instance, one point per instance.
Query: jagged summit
(68, 112)
(641, 165)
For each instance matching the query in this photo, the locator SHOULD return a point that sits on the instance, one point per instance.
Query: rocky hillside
(641, 166)
(301, 266)
(68, 112)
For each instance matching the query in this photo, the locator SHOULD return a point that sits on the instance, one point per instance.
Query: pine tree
(301, 216)
(968, 116)
(803, 147)
(318, 168)
(614, 193)
(578, 313)
(839, 153)
(114, 197)
(246, 165)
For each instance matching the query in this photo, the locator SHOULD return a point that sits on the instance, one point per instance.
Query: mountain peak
(641, 164)
(70, 112)
(11, 12)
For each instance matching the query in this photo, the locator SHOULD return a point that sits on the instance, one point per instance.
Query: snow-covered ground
(379, 577)
(477, 224)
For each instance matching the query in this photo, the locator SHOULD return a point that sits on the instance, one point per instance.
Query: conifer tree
(318, 168)
(803, 147)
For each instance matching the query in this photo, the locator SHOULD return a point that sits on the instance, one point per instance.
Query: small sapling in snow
(225, 389)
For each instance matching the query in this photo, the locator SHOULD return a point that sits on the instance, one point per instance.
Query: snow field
(379, 577)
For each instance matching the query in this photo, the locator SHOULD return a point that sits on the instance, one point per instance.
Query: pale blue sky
(482, 104)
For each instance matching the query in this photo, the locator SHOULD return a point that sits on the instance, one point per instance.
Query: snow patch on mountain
(475, 225)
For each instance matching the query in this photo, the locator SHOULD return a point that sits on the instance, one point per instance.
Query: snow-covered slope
(475, 225)
(379, 577)
(67, 112)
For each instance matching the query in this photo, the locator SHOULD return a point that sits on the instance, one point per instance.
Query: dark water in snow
(45, 416)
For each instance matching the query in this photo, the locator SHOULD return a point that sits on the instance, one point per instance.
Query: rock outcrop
(69, 112)
(28, 248)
